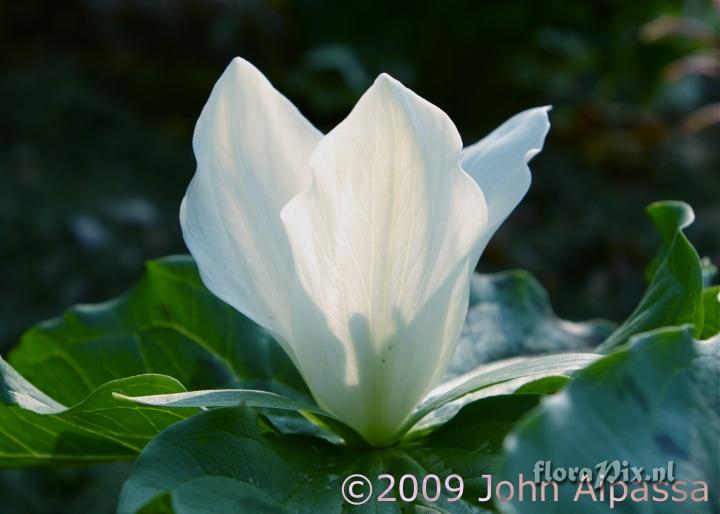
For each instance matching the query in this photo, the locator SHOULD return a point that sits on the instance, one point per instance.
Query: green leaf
(647, 405)
(464, 385)
(225, 398)
(335, 430)
(171, 324)
(674, 295)
(35, 430)
(168, 324)
(711, 311)
(527, 368)
(15, 390)
(510, 315)
(232, 460)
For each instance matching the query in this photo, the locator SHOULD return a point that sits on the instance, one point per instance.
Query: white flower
(354, 248)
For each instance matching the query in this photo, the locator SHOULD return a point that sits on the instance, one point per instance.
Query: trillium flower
(354, 248)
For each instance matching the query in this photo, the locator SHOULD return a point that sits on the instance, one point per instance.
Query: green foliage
(646, 405)
(107, 382)
(510, 315)
(674, 295)
(480, 378)
(127, 80)
(232, 460)
(35, 430)
(224, 398)
(168, 324)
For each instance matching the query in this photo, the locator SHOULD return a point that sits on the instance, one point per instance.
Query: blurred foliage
(98, 99)
(88, 490)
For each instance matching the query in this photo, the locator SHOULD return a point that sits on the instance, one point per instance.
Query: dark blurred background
(98, 99)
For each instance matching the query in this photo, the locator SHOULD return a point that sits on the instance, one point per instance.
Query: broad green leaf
(646, 405)
(521, 368)
(232, 460)
(225, 398)
(168, 324)
(711, 311)
(510, 315)
(674, 294)
(35, 430)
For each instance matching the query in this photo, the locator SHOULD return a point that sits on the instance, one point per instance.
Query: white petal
(498, 163)
(381, 244)
(252, 148)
